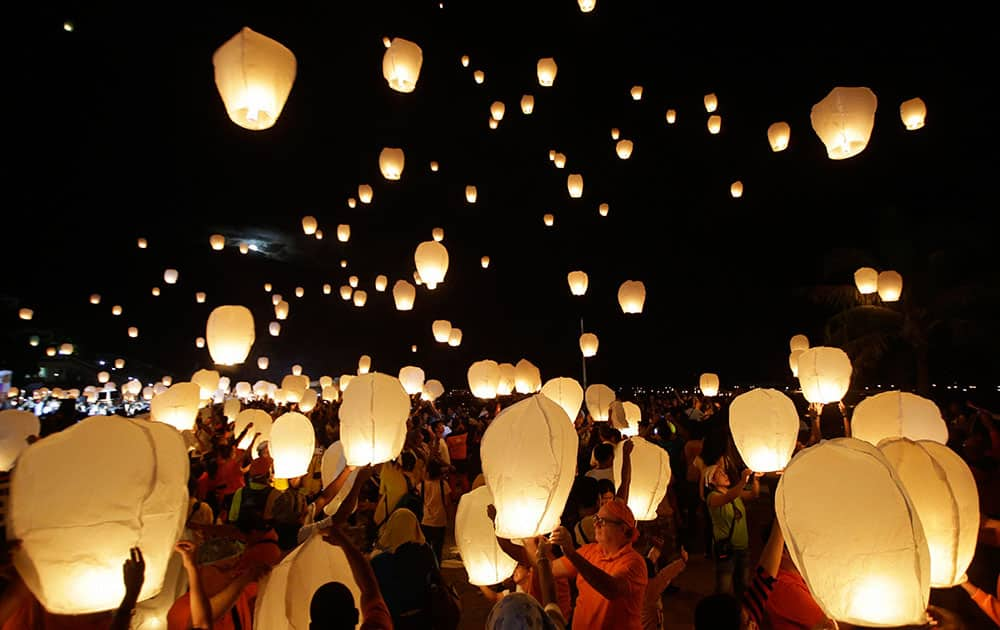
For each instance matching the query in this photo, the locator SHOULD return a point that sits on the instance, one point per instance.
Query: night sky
(116, 130)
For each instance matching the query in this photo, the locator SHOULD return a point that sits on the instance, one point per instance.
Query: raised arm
(720, 499)
(622, 494)
(351, 501)
(514, 551)
(609, 586)
(543, 564)
(754, 490)
(362, 571)
(332, 488)
(201, 606)
(133, 574)
(770, 556)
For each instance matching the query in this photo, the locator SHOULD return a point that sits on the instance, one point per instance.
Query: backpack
(288, 507)
(412, 500)
(251, 516)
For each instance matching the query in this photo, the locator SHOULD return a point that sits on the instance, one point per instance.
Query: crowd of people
(600, 568)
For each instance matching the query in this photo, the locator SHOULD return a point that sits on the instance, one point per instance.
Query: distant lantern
(470, 194)
(142, 243)
(896, 414)
(412, 379)
(103, 377)
(853, 534)
(437, 234)
(578, 282)
(413, 348)
(295, 384)
(431, 260)
(364, 364)
(552, 155)
(330, 393)
(671, 116)
(381, 282)
(51, 351)
(508, 378)
(26, 314)
(170, 276)
(615, 133)
(736, 189)
(274, 329)
(373, 418)
(116, 310)
(765, 426)
(254, 75)
(147, 393)
(177, 406)
(199, 342)
(465, 61)
(262, 423)
(484, 377)
(890, 286)
(231, 408)
(309, 225)
(484, 560)
(793, 362)
(527, 104)
(844, 119)
(485, 262)
(33, 341)
(199, 297)
(527, 377)
(281, 310)
(319, 235)
(530, 478)
(404, 294)
(345, 292)
(708, 383)
(360, 297)
(632, 296)
(119, 364)
(714, 124)
(230, 334)
(559, 160)
(262, 363)
(711, 102)
(217, 242)
(944, 494)
(365, 193)
(650, 477)
(208, 381)
(352, 202)
(497, 110)
(586, 6)
(574, 183)
(624, 149)
(479, 76)
(167, 380)
(244, 248)
(292, 444)
(603, 209)
(866, 280)
(913, 113)
(95, 298)
(343, 232)
(798, 342)
(493, 123)
(299, 291)
(433, 389)
(434, 166)
(588, 344)
(548, 219)
(343, 263)
(267, 287)
(778, 135)
(155, 291)
(824, 374)
(353, 281)
(327, 288)
(133, 332)
(566, 393)
(390, 162)
(309, 400)
(599, 398)
(401, 65)
(636, 92)
(546, 70)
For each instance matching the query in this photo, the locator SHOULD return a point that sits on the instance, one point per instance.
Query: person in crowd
(405, 566)
(586, 502)
(437, 501)
(604, 454)
(605, 491)
(730, 538)
(518, 611)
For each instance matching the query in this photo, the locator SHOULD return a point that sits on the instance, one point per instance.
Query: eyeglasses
(600, 521)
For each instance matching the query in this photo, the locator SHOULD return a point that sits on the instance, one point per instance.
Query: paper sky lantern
(455, 337)
(26, 314)
(485, 262)
(588, 344)
(497, 110)
(33, 341)
(437, 234)
(508, 377)
(529, 459)
(401, 65)
(167, 380)
(485, 563)
(346, 291)
(155, 291)
(142, 243)
(633, 416)
(275, 299)
(708, 383)
(548, 219)
(851, 530)
(616, 133)
(170, 276)
(431, 260)
(217, 242)
(624, 149)
(267, 287)
(208, 381)
(116, 310)
(798, 342)
(636, 92)
(824, 374)
(360, 297)
(51, 351)
(254, 75)
(147, 393)
(199, 342)
(484, 376)
(403, 294)
(299, 292)
(913, 113)
(15, 428)
(432, 390)
(527, 377)
(281, 310)
(66, 348)
(546, 70)
(897, 414)
(325, 381)
(331, 466)
(230, 334)
(244, 248)
(844, 119)
(465, 61)
(736, 189)
(231, 409)
(793, 362)
(671, 116)
(479, 76)
(274, 329)
(650, 477)
(331, 393)
(586, 6)
(632, 296)
(390, 162)
(380, 282)
(866, 279)
(308, 402)
(243, 389)
(603, 209)
(441, 329)
(566, 393)
(292, 444)
(133, 332)
(890, 286)
(434, 166)
(574, 184)
(714, 124)
(199, 297)
(527, 104)
(944, 493)
(599, 398)
(493, 123)
(778, 135)
(95, 298)
(71, 559)
(470, 194)
(365, 193)
(765, 426)
(327, 289)
(373, 418)
(578, 282)
(559, 160)
(412, 379)
(364, 364)
(416, 277)
(711, 102)
(119, 363)
(295, 385)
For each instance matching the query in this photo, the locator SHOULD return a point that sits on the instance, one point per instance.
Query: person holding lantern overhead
(730, 537)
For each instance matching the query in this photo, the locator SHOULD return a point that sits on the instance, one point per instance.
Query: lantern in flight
(455, 337)
(765, 426)
(599, 398)
(736, 189)
(527, 377)
(546, 70)
(431, 260)
(566, 393)
(381, 281)
(714, 124)
(230, 334)
(484, 262)
(254, 75)
(711, 102)
(778, 135)
(527, 104)
(636, 92)
(484, 560)
(708, 383)
(588, 344)
(574, 183)
(373, 418)
(217, 242)
(484, 376)
(403, 294)
(390, 162)
(650, 477)
(632, 296)
(292, 444)
(177, 406)
(365, 193)
(913, 113)
(470, 194)
(824, 374)
(624, 149)
(844, 119)
(401, 64)
(866, 279)
(890, 286)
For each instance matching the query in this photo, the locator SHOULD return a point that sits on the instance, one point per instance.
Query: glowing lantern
(778, 135)
(586, 6)
(33, 341)
(16, 427)
(824, 374)
(574, 183)
(231, 408)
(431, 260)
(559, 160)
(119, 364)
(170, 276)
(95, 298)
(793, 362)
(208, 381)
(416, 278)
(615, 133)
(434, 166)
(177, 406)
(736, 189)
(199, 342)
(199, 297)
(413, 348)
(714, 124)
(401, 65)
(546, 70)
(484, 561)
(364, 364)
(390, 162)
(353, 281)
(890, 286)
(299, 292)
(898, 414)
(403, 294)
(632, 296)
(465, 61)
(455, 337)
(624, 149)
(327, 289)
(485, 262)
(530, 478)
(708, 383)
(470, 194)
(66, 348)
(274, 329)
(527, 104)
(508, 378)
(599, 398)
(365, 193)
(147, 393)
(346, 291)
(267, 287)
(549, 220)
(412, 379)
(913, 113)
(343, 264)
(292, 443)
(142, 243)
(944, 493)
(765, 426)
(244, 248)
(116, 310)
(671, 116)
(352, 202)
(281, 310)
(633, 416)
(295, 385)
(650, 477)
(26, 314)
(588, 344)
(133, 332)
(479, 76)
(51, 351)
(566, 393)
(230, 334)
(319, 235)
(493, 123)
(330, 393)
(156, 291)
(380, 282)
(484, 376)
(217, 241)
(243, 390)
(844, 119)
(603, 209)
(497, 110)
(851, 530)
(360, 297)
(167, 380)
(308, 402)
(254, 75)
(636, 92)
(261, 424)
(527, 377)
(866, 279)
(373, 417)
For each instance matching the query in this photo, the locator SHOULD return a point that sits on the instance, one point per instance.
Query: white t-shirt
(602, 473)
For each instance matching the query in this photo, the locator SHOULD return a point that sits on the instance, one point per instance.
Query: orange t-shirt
(593, 611)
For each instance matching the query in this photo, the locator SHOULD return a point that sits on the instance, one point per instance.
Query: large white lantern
(765, 425)
(373, 419)
(578, 282)
(624, 149)
(431, 260)
(177, 406)
(708, 383)
(711, 102)
(309, 400)
(866, 279)
(403, 294)
(944, 493)
(599, 398)
(527, 377)
(650, 477)
(470, 194)
(890, 286)
(508, 378)
(401, 64)
(566, 393)
(254, 75)
(441, 329)
(793, 362)
(455, 337)
(360, 298)
(588, 344)
(390, 162)
(433, 389)
(170, 276)
(484, 376)
(292, 444)
(412, 379)
(632, 296)
(230, 334)
(853, 533)
(844, 119)
(309, 225)
(295, 386)
(71, 558)
(574, 183)
(529, 460)
(485, 563)
(546, 70)
(208, 381)
(15, 428)
(824, 374)
(898, 414)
